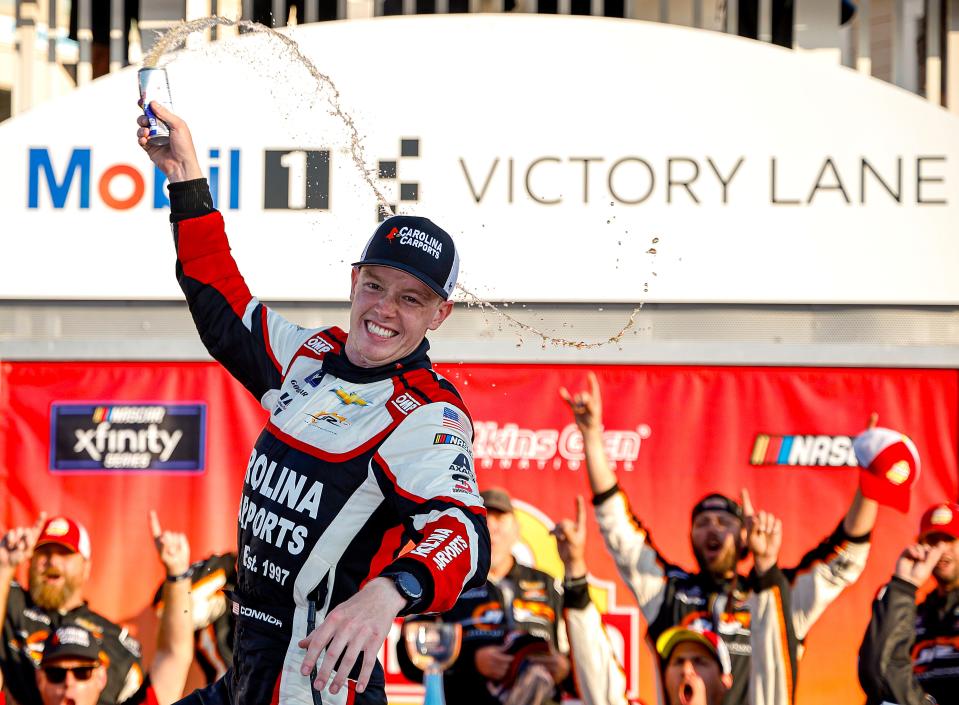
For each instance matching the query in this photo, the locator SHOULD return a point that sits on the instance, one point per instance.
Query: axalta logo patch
(804, 451)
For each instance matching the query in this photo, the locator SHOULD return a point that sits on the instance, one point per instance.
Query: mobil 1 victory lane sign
(118, 436)
(645, 179)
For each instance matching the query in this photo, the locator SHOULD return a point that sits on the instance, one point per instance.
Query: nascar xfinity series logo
(106, 436)
(803, 451)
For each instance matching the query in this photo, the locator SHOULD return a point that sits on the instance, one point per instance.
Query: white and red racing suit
(352, 465)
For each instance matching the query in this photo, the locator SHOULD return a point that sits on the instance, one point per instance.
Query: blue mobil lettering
(60, 178)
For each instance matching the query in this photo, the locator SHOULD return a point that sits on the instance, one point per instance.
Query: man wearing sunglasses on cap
(78, 668)
(910, 653)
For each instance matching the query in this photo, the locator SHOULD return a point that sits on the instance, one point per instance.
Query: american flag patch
(452, 420)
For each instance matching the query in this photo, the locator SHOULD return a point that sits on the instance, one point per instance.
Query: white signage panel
(573, 159)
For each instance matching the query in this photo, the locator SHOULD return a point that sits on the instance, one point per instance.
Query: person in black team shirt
(910, 654)
(356, 460)
(59, 554)
(717, 597)
(510, 624)
(73, 668)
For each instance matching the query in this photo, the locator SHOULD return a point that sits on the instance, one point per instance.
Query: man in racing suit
(356, 459)
(717, 598)
(910, 653)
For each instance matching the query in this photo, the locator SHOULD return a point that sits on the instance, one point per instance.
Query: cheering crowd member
(59, 554)
(694, 664)
(74, 664)
(910, 654)
(599, 676)
(510, 624)
(355, 461)
(715, 597)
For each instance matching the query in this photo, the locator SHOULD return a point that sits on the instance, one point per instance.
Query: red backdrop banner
(675, 433)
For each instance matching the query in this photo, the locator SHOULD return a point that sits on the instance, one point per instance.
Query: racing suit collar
(338, 364)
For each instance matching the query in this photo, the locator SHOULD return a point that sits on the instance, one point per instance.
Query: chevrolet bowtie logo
(350, 397)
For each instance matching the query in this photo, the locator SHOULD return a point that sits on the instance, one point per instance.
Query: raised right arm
(599, 677)
(16, 547)
(252, 342)
(627, 540)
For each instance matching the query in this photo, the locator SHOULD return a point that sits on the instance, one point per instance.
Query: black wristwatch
(408, 586)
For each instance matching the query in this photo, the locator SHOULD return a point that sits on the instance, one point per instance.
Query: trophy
(432, 647)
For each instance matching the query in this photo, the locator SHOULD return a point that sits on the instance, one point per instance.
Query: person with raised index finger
(357, 458)
(74, 665)
(58, 554)
(716, 597)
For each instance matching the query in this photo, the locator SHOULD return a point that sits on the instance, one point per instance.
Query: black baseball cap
(70, 641)
(716, 502)
(417, 246)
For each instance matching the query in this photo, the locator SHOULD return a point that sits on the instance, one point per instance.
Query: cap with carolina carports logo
(417, 246)
(674, 636)
(70, 642)
(940, 519)
(68, 533)
(716, 502)
(890, 466)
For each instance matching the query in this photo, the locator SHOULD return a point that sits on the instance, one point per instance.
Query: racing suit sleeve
(599, 677)
(252, 342)
(772, 637)
(885, 656)
(822, 574)
(636, 558)
(425, 469)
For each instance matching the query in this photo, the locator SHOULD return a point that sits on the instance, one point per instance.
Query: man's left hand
(360, 624)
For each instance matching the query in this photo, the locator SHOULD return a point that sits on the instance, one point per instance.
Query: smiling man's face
(390, 314)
